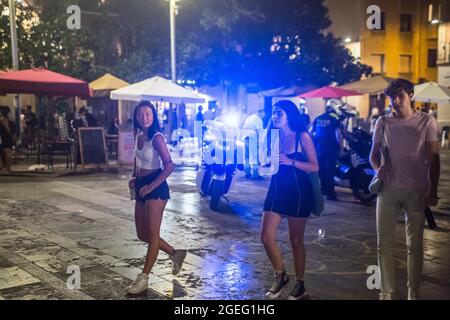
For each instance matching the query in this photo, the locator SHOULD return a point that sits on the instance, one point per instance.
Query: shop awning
(329, 92)
(40, 81)
(105, 84)
(374, 85)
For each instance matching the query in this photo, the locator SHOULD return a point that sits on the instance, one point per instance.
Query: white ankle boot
(412, 294)
(386, 296)
(139, 285)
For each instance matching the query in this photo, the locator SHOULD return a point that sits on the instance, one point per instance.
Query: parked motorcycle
(353, 169)
(214, 178)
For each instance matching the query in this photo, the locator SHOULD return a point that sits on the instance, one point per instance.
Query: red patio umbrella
(329, 92)
(43, 82)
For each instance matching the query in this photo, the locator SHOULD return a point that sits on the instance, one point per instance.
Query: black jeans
(327, 167)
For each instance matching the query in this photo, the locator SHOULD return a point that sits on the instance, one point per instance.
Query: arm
(375, 152)
(434, 172)
(160, 145)
(132, 181)
(312, 129)
(310, 151)
(375, 156)
(134, 173)
(339, 139)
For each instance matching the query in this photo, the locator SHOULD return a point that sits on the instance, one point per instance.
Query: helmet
(333, 105)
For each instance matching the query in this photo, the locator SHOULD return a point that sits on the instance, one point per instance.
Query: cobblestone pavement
(51, 222)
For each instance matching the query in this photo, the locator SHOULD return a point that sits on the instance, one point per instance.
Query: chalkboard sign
(92, 146)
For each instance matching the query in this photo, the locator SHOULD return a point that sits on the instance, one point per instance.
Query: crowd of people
(404, 155)
(409, 173)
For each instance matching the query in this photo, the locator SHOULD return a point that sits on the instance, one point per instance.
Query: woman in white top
(152, 191)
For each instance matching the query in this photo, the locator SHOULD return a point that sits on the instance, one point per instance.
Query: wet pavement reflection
(48, 223)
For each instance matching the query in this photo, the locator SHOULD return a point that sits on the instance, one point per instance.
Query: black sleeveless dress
(290, 192)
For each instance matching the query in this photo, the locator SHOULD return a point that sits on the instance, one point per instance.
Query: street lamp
(173, 8)
(15, 55)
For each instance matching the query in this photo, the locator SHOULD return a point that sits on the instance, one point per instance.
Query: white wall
(444, 109)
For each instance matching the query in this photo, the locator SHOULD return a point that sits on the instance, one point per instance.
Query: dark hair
(398, 85)
(295, 120)
(154, 128)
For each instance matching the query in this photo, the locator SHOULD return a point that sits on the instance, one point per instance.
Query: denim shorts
(161, 192)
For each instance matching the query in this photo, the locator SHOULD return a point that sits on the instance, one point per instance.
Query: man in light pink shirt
(410, 175)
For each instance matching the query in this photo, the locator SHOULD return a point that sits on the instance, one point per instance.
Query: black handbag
(314, 180)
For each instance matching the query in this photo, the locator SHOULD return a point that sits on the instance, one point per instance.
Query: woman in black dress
(290, 195)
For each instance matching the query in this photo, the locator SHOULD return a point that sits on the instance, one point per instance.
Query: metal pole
(15, 57)
(12, 23)
(172, 39)
(173, 59)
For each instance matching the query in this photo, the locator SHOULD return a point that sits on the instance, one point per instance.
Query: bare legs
(148, 219)
(296, 236)
(269, 228)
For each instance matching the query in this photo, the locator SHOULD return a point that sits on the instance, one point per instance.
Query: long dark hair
(294, 118)
(154, 128)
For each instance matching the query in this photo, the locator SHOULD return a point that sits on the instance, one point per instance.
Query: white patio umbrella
(156, 89)
(431, 92)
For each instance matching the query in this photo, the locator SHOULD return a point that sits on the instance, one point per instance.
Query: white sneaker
(412, 294)
(139, 285)
(177, 260)
(386, 296)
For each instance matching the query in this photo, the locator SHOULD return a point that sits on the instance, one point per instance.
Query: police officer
(327, 138)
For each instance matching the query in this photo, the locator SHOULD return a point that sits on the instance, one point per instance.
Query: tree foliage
(265, 42)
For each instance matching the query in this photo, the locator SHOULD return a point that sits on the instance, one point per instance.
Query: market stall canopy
(105, 84)
(329, 92)
(43, 82)
(156, 89)
(431, 92)
(374, 85)
(293, 91)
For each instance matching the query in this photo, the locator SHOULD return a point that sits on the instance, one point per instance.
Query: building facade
(406, 44)
(443, 59)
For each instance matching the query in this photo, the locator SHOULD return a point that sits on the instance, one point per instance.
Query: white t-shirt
(406, 141)
(253, 122)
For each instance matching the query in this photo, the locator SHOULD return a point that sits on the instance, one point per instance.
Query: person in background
(31, 122)
(88, 119)
(373, 119)
(327, 137)
(433, 112)
(305, 116)
(7, 141)
(199, 117)
(252, 126)
(209, 114)
(114, 127)
(410, 175)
